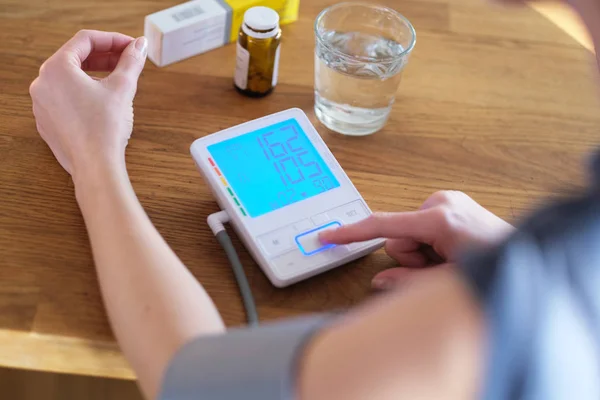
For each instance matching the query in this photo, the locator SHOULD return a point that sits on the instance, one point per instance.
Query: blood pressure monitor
(281, 187)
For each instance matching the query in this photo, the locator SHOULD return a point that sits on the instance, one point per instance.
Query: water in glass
(354, 95)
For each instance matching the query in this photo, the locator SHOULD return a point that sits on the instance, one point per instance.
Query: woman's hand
(84, 119)
(447, 222)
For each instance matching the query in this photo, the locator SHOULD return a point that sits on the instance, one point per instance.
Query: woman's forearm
(153, 302)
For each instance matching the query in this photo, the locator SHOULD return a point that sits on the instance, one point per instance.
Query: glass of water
(361, 50)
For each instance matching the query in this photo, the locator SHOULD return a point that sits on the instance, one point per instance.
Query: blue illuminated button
(309, 242)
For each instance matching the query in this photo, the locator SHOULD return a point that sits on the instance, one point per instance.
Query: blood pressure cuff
(248, 363)
(541, 295)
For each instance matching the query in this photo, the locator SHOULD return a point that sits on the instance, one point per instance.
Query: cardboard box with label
(198, 26)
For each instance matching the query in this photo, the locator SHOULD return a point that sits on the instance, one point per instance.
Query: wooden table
(500, 104)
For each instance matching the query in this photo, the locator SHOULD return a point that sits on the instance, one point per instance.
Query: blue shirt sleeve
(540, 291)
(256, 363)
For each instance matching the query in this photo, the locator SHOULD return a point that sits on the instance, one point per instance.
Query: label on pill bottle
(276, 67)
(241, 67)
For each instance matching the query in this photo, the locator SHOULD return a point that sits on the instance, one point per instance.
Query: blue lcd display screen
(273, 167)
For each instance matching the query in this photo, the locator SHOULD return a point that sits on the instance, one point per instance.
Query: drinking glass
(361, 51)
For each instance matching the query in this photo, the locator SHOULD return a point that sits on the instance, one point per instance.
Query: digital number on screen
(273, 167)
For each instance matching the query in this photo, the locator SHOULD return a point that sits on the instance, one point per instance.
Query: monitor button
(309, 243)
(301, 226)
(339, 251)
(320, 219)
(277, 242)
(290, 264)
(350, 213)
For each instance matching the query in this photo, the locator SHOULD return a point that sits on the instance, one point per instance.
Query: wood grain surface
(499, 103)
(35, 385)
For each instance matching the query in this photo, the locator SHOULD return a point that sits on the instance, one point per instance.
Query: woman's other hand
(83, 119)
(447, 222)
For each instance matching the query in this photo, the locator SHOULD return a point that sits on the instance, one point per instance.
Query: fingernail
(382, 283)
(141, 44)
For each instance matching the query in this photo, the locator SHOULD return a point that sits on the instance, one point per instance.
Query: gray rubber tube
(240, 276)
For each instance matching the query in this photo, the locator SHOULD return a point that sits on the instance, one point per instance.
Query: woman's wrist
(98, 175)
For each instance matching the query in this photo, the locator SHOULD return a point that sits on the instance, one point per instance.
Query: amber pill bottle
(258, 47)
